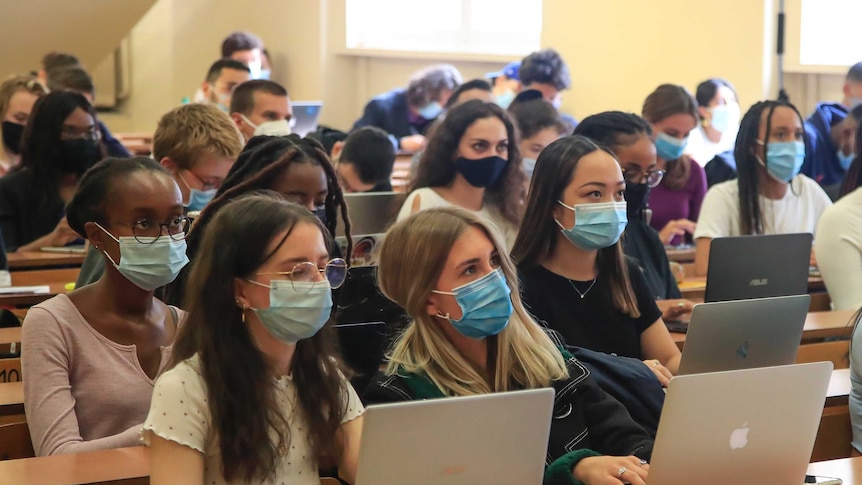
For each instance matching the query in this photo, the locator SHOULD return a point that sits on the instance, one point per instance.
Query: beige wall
(616, 53)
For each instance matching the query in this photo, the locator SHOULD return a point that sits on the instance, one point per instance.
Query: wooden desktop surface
(11, 401)
(685, 255)
(29, 299)
(122, 464)
(10, 335)
(818, 325)
(839, 388)
(847, 469)
(43, 259)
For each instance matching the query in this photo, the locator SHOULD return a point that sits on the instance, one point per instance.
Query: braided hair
(748, 179)
(262, 160)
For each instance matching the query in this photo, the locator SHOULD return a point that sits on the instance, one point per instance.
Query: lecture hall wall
(618, 51)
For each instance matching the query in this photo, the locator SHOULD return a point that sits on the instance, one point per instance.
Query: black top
(591, 322)
(641, 243)
(25, 214)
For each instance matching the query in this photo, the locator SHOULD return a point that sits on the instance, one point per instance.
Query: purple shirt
(668, 205)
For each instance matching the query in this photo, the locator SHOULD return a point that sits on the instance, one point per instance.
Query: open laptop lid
(744, 334)
(491, 438)
(746, 426)
(748, 267)
(306, 115)
(370, 212)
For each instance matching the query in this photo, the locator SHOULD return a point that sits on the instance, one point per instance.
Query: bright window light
(829, 33)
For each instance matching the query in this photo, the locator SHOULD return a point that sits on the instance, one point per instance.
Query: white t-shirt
(798, 211)
(429, 199)
(179, 412)
(838, 249)
(701, 149)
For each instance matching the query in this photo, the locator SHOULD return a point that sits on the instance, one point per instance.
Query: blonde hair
(13, 84)
(411, 258)
(192, 131)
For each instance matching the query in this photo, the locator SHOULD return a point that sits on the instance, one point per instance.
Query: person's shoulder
(727, 189)
(60, 307)
(389, 97)
(14, 180)
(186, 374)
(811, 189)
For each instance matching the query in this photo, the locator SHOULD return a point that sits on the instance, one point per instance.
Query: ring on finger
(643, 462)
(621, 471)
(655, 364)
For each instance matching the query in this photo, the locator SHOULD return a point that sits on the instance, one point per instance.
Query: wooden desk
(694, 288)
(11, 401)
(11, 335)
(681, 255)
(126, 465)
(847, 469)
(818, 325)
(839, 388)
(42, 259)
(30, 299)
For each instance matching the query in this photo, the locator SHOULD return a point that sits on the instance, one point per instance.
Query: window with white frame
(494, 27)
(829, 32)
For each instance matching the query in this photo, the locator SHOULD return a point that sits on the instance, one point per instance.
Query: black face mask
(320, 213)
(76, 156)
(481, 172)
(12, 133)
(637, 196)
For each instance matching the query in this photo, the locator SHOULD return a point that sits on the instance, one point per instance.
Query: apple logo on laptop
(742, 350)
(739, 437)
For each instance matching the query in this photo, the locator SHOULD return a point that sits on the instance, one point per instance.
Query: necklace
(582, 295)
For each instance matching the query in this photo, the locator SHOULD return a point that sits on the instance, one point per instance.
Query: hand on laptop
(611, 470)
(676, 227)
(661, 372)
(673, 309)
(412, 143)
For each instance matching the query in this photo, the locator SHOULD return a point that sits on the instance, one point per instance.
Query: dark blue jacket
(390, 113)
(115, 148)
(821, 159)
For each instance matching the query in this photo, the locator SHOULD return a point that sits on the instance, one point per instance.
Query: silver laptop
(748, 426)
(492, 438)
(306, 115)
(370, 212)
(743, 334)
(748, 267)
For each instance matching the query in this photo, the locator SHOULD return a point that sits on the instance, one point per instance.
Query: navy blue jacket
(390, 113)
(821, 159)
(114, 147)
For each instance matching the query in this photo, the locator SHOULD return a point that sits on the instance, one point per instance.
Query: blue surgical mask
(724, 117)
(198, 199)
(297, 310)
(222, 101)
(845, 160)
(506, 98)
(430, 110)
(597, 226)
(148, 264)
(485, 306)
(481, 172)
(529, 166)
(784, 159)
(265, 74)
(668, 147)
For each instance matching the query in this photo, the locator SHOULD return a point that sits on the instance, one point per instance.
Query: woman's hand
(673, 309)
(63, 234)
(661, 372)
(677, 227)
(611, 470)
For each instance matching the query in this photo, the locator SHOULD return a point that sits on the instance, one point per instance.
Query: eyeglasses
(637, 176)
(335, 272)
(148, 231)
(72, 133)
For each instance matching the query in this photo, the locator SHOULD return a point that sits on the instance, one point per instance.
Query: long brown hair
(537, 238)
(437, 165)
(240, 391)
(668, 100)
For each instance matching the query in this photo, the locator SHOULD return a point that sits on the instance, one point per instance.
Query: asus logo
(760, 282)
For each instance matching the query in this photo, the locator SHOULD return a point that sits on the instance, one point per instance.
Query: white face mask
(270, 128)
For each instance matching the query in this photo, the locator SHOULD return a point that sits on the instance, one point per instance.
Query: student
(471, 335)
(55, 60)
(293, 167)
(93, 354)
(77, 80)
(265, 64)
(770, 196)
(261, 107)
(575, 277)
(672, 113)
(222, 78)
(473, 89)
(629, 137)
(197, 144)
(259, 298)
(246, 48)
(853, 178)
(830, 134)
(365, 161)
(506, 83)
(547, 72)
(711, 144)
(472, 161)
(838, 247)
(18, 94)
(407, 113)
(539, 124)
(60, 142)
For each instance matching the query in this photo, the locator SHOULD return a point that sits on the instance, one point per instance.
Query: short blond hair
(11, 86)
(192, 131)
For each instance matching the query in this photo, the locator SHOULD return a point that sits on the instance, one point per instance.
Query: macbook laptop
(746, 426)
(744, 334)
(491, 438)
(748, 267)
(306, 114)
